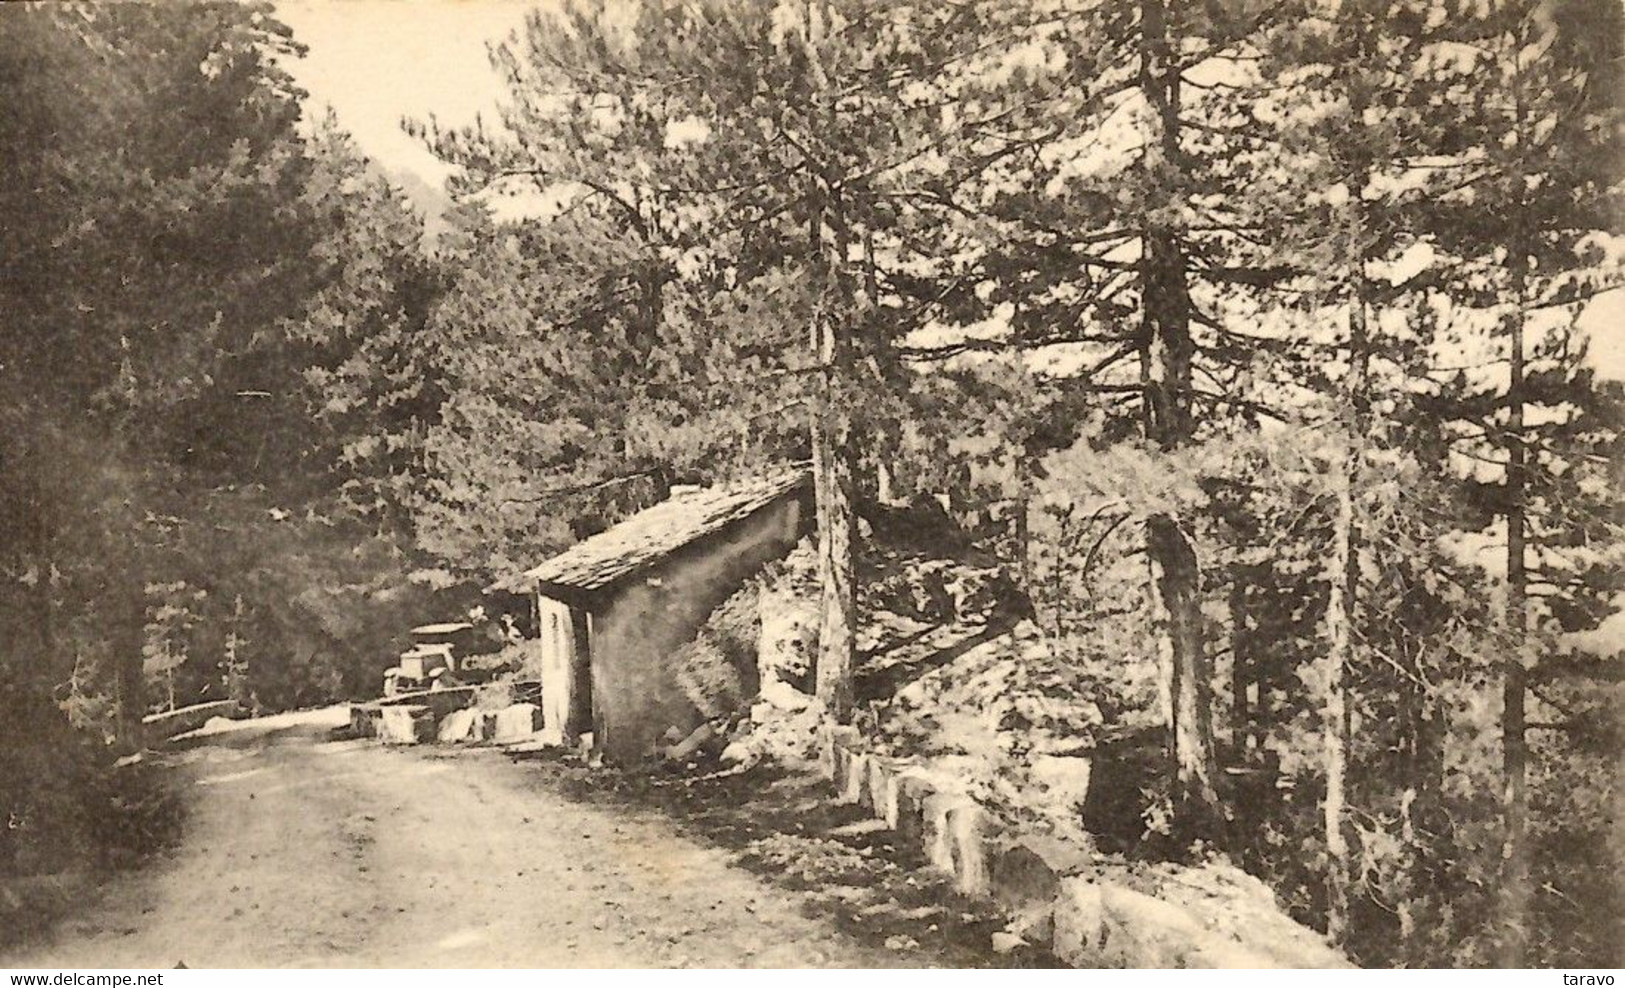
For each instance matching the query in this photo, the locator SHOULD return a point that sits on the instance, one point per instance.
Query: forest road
(301, 851)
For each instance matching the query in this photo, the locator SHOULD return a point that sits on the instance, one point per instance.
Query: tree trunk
(1184, 665)
(1334, 712)
(1343, 604)
(1515, 890)
(1342, 607)
(832, 454)
(1166, 376)
(837, 626)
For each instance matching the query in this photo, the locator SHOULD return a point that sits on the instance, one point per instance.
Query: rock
(1080, 924)
(1034, 923)
(1029, 871)
(845, 762)
(740, 752)
(405, 724)
(881, 788)
(1099, 922)
(517, 722)
(788, 635)
(783, 696)
(936, 839)
(1145, 931)
(1066, 780)
(364, 720)
(909, 819)
(1004, 943)
(689, 746)
(969, 828)
(854, 781)
(458, 726)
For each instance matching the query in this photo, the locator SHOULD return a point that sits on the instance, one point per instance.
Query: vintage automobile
(431, 662)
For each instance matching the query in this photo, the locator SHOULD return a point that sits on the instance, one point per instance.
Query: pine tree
(1542, 133)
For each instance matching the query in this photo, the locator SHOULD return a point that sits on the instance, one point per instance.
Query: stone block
(855, 779)
(363, 721)
(909, 821)
(970, 830)
(457, 726)
(838, 758)
(1080, 924)
(826, 754)
(406, 724)
(517, 722)
(1144, 931)
(1029, 871)
(882, 789)
(936, 839)
(1100, 924)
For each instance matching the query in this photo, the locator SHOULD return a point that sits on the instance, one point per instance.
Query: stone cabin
(614, 608)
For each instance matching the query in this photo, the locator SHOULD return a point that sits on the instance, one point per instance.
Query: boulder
(691, 744)
(405, 724)
(1029, 871)
(740, 752)
(881, 794)
(1005, 942)
(364, 720)
(1102, 923)
(517, 722)
(457, 726)
(908, 819)
(1080, 925)
(969, 830)
(833, 742)
(936, 839)
(1065, 781)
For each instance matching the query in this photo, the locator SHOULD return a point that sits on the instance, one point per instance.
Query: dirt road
(304, 851)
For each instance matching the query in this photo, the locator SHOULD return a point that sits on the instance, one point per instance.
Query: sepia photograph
(811, 484)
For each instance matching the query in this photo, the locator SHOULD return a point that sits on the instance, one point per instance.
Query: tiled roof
(656, 532)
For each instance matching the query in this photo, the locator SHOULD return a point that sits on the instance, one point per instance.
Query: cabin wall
(636, 696)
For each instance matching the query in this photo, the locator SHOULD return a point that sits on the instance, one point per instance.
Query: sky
(377, 61)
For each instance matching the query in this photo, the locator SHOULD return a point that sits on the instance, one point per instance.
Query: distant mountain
(431, 200)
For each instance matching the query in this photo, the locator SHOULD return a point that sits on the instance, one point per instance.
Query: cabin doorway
(566, 647)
